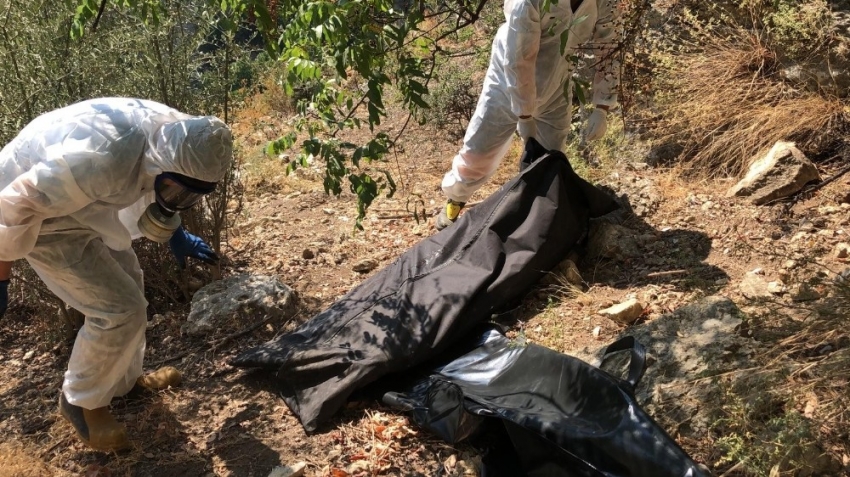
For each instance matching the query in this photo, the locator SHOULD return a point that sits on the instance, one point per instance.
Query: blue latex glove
(183, 244)
(4, 297)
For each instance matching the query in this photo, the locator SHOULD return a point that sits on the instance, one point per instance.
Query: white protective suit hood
(198, 147)
(82, 164)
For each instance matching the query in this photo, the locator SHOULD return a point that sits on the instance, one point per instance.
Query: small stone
(295, 470)
(803, 292)
(754, 287)
(365, 265)
(776, 288)
(596, 331)
(707, 205)
(307, 254)
(569, 273)
(624, 313)
(358, 466)
(29, 354)
(842, 250)
(799, 236)
(789, 264)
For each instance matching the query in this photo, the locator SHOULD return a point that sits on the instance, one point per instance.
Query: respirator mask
(174, 192)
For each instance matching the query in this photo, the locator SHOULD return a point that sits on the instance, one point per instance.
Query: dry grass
(17, 461)
(789, 415)
(729, 105)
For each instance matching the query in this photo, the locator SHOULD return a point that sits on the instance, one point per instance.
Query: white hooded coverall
(73, 183)
(527, 77)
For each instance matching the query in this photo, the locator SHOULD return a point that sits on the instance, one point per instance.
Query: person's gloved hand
(183, 244)
(597, 124)
(4, 296)
(527, 127)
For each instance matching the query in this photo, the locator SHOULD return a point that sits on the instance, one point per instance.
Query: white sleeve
(47, 190)
(521, 48)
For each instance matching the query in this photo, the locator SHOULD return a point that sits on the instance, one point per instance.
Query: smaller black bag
(563, 417)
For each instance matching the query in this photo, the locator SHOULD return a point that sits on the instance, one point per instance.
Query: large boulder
(783, 171)
(237, 302)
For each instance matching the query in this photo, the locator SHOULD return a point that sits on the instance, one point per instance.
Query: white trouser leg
(487, 139)
(106, 286)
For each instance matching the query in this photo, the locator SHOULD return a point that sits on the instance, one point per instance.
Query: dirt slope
(225, 422)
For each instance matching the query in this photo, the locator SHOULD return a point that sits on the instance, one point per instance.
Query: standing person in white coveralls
(524, 89)
(76, 186)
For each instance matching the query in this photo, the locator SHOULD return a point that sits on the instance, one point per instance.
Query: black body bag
(557, 415)
(437, 291)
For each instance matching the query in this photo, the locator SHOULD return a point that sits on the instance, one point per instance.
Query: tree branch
(99, 14)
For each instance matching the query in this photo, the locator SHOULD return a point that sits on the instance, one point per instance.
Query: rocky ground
(680, 249)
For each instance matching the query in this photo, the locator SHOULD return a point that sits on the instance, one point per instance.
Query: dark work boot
(97, 428)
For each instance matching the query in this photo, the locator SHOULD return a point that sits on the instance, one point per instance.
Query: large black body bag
(554, 414)
(412, 310)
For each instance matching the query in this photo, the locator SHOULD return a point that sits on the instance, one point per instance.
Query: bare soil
(225, 422)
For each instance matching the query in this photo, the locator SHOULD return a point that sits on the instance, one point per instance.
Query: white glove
(597, 124)
(527, 127)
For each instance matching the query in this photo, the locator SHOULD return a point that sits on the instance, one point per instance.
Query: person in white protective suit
(527, 87)
(76, 186)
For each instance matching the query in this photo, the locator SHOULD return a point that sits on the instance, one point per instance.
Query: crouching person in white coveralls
(76, 186)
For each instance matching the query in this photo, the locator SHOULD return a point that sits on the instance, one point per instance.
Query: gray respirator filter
(156, 225)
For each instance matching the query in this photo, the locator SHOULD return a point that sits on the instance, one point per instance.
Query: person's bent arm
(45, 191)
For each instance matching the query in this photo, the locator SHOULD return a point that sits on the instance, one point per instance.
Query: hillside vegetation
(338, 172)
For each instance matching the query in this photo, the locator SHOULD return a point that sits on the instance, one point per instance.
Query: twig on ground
(220, 342)
(665, 273)
(249, 329)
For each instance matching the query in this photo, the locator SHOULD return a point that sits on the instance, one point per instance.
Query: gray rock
(783, 171)
(612, 241)
(233, 303)
(842, 250)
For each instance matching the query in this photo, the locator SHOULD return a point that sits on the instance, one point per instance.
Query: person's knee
(130, 315)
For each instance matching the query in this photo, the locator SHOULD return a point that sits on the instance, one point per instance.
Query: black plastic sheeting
(560, 416)
(436, 292)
